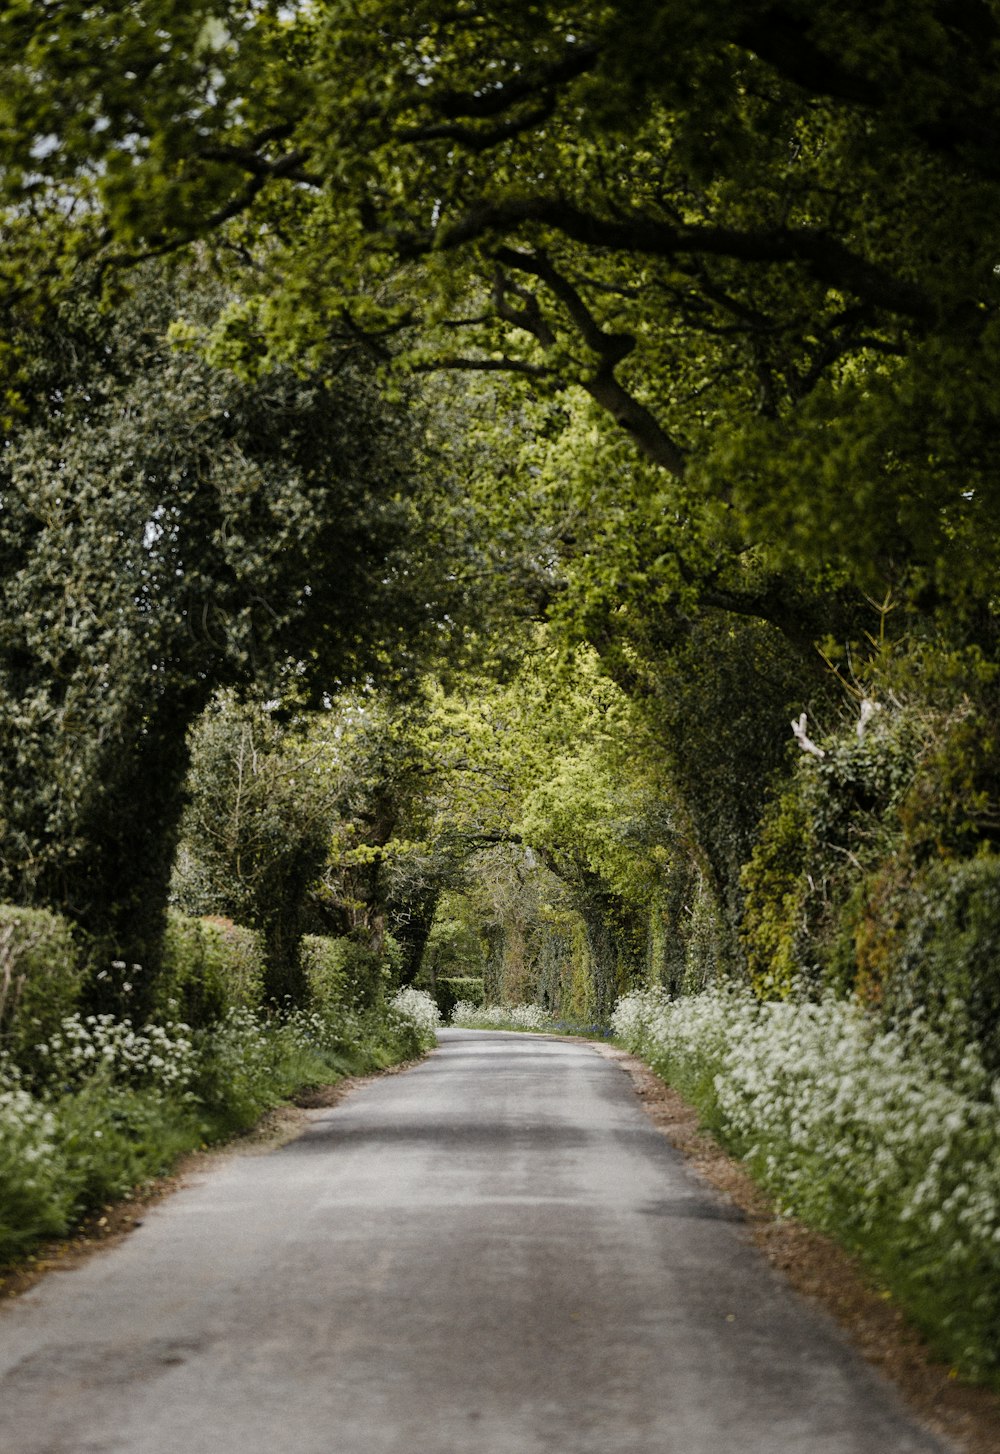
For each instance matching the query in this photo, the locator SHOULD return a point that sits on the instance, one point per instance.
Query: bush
(163, 1056)
(875, 1137)
(417, 1006)
(343, 972)
(948, 967)
(114, 1137)
(325, 966)
(40, 978)
(209, 966)
(35, 1196)
(449, 989)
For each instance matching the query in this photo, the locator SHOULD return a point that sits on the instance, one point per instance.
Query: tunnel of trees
(509, 488)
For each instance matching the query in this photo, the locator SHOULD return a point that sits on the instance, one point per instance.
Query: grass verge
(109, 1108)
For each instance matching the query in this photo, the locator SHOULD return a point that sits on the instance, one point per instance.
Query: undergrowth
(883, 1139)
(107, 1105)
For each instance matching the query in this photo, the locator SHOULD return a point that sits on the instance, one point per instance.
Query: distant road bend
(492, 1253)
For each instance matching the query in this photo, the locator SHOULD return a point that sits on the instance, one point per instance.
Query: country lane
(494, 1252)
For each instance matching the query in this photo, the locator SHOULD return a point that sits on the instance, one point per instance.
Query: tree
(754, 235)
(257, 827)
(168, 530)
(542, 796)
(416, 799)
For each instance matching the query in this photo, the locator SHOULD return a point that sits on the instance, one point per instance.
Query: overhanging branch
(603, 385)
(824, 256)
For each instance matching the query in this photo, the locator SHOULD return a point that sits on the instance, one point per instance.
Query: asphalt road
(492, 1253)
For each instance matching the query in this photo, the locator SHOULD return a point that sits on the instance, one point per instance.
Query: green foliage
(871, 874)
(325, 963)
(169, 530)
(946, 971)
(766, 262)
(41, 973)
(112, 1138)
(456, 945)
(388, 861)
(450, 988)
(832, 822)
(210, 965)
(344, 973)
(776, 888)
(873, 1136)
(257, 828)
(706, 945)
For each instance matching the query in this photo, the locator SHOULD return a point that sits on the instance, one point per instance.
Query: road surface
(492, 1253)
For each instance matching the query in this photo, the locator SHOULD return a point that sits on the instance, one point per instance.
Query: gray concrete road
(493, 1253)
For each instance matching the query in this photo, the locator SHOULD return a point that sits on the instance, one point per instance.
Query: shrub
(40, 978)
(325, 965)
(417, 1005)
(836, 820)
(209, 966)
(113, 1137)
(36, 1198)
(948, 967)
(160, 1056)
(344, 972)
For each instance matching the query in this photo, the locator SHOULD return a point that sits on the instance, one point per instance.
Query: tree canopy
(167, 531)
(756, 235)
(690, 310)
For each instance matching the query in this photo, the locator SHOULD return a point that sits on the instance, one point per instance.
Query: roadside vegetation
(94, 1105)
(887, 1139)
(500, 1017)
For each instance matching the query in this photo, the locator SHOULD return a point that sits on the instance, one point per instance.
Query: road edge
(826, 1274)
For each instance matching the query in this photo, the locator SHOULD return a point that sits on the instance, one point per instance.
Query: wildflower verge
(966, 1416)
(112, 1105)
(881, 1140)
(468, 1016)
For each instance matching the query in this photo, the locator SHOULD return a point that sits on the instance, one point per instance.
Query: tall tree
(166, 530)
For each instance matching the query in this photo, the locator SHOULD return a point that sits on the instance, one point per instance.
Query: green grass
(82, 1136)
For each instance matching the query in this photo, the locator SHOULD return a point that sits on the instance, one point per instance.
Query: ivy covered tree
(168, 530)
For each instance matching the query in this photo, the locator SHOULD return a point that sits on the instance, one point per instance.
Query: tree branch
(825, 257)
(290, 166)
(495, 99)
(611, 348)
(478, 140)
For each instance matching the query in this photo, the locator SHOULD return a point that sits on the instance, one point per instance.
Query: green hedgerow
(40, 977)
